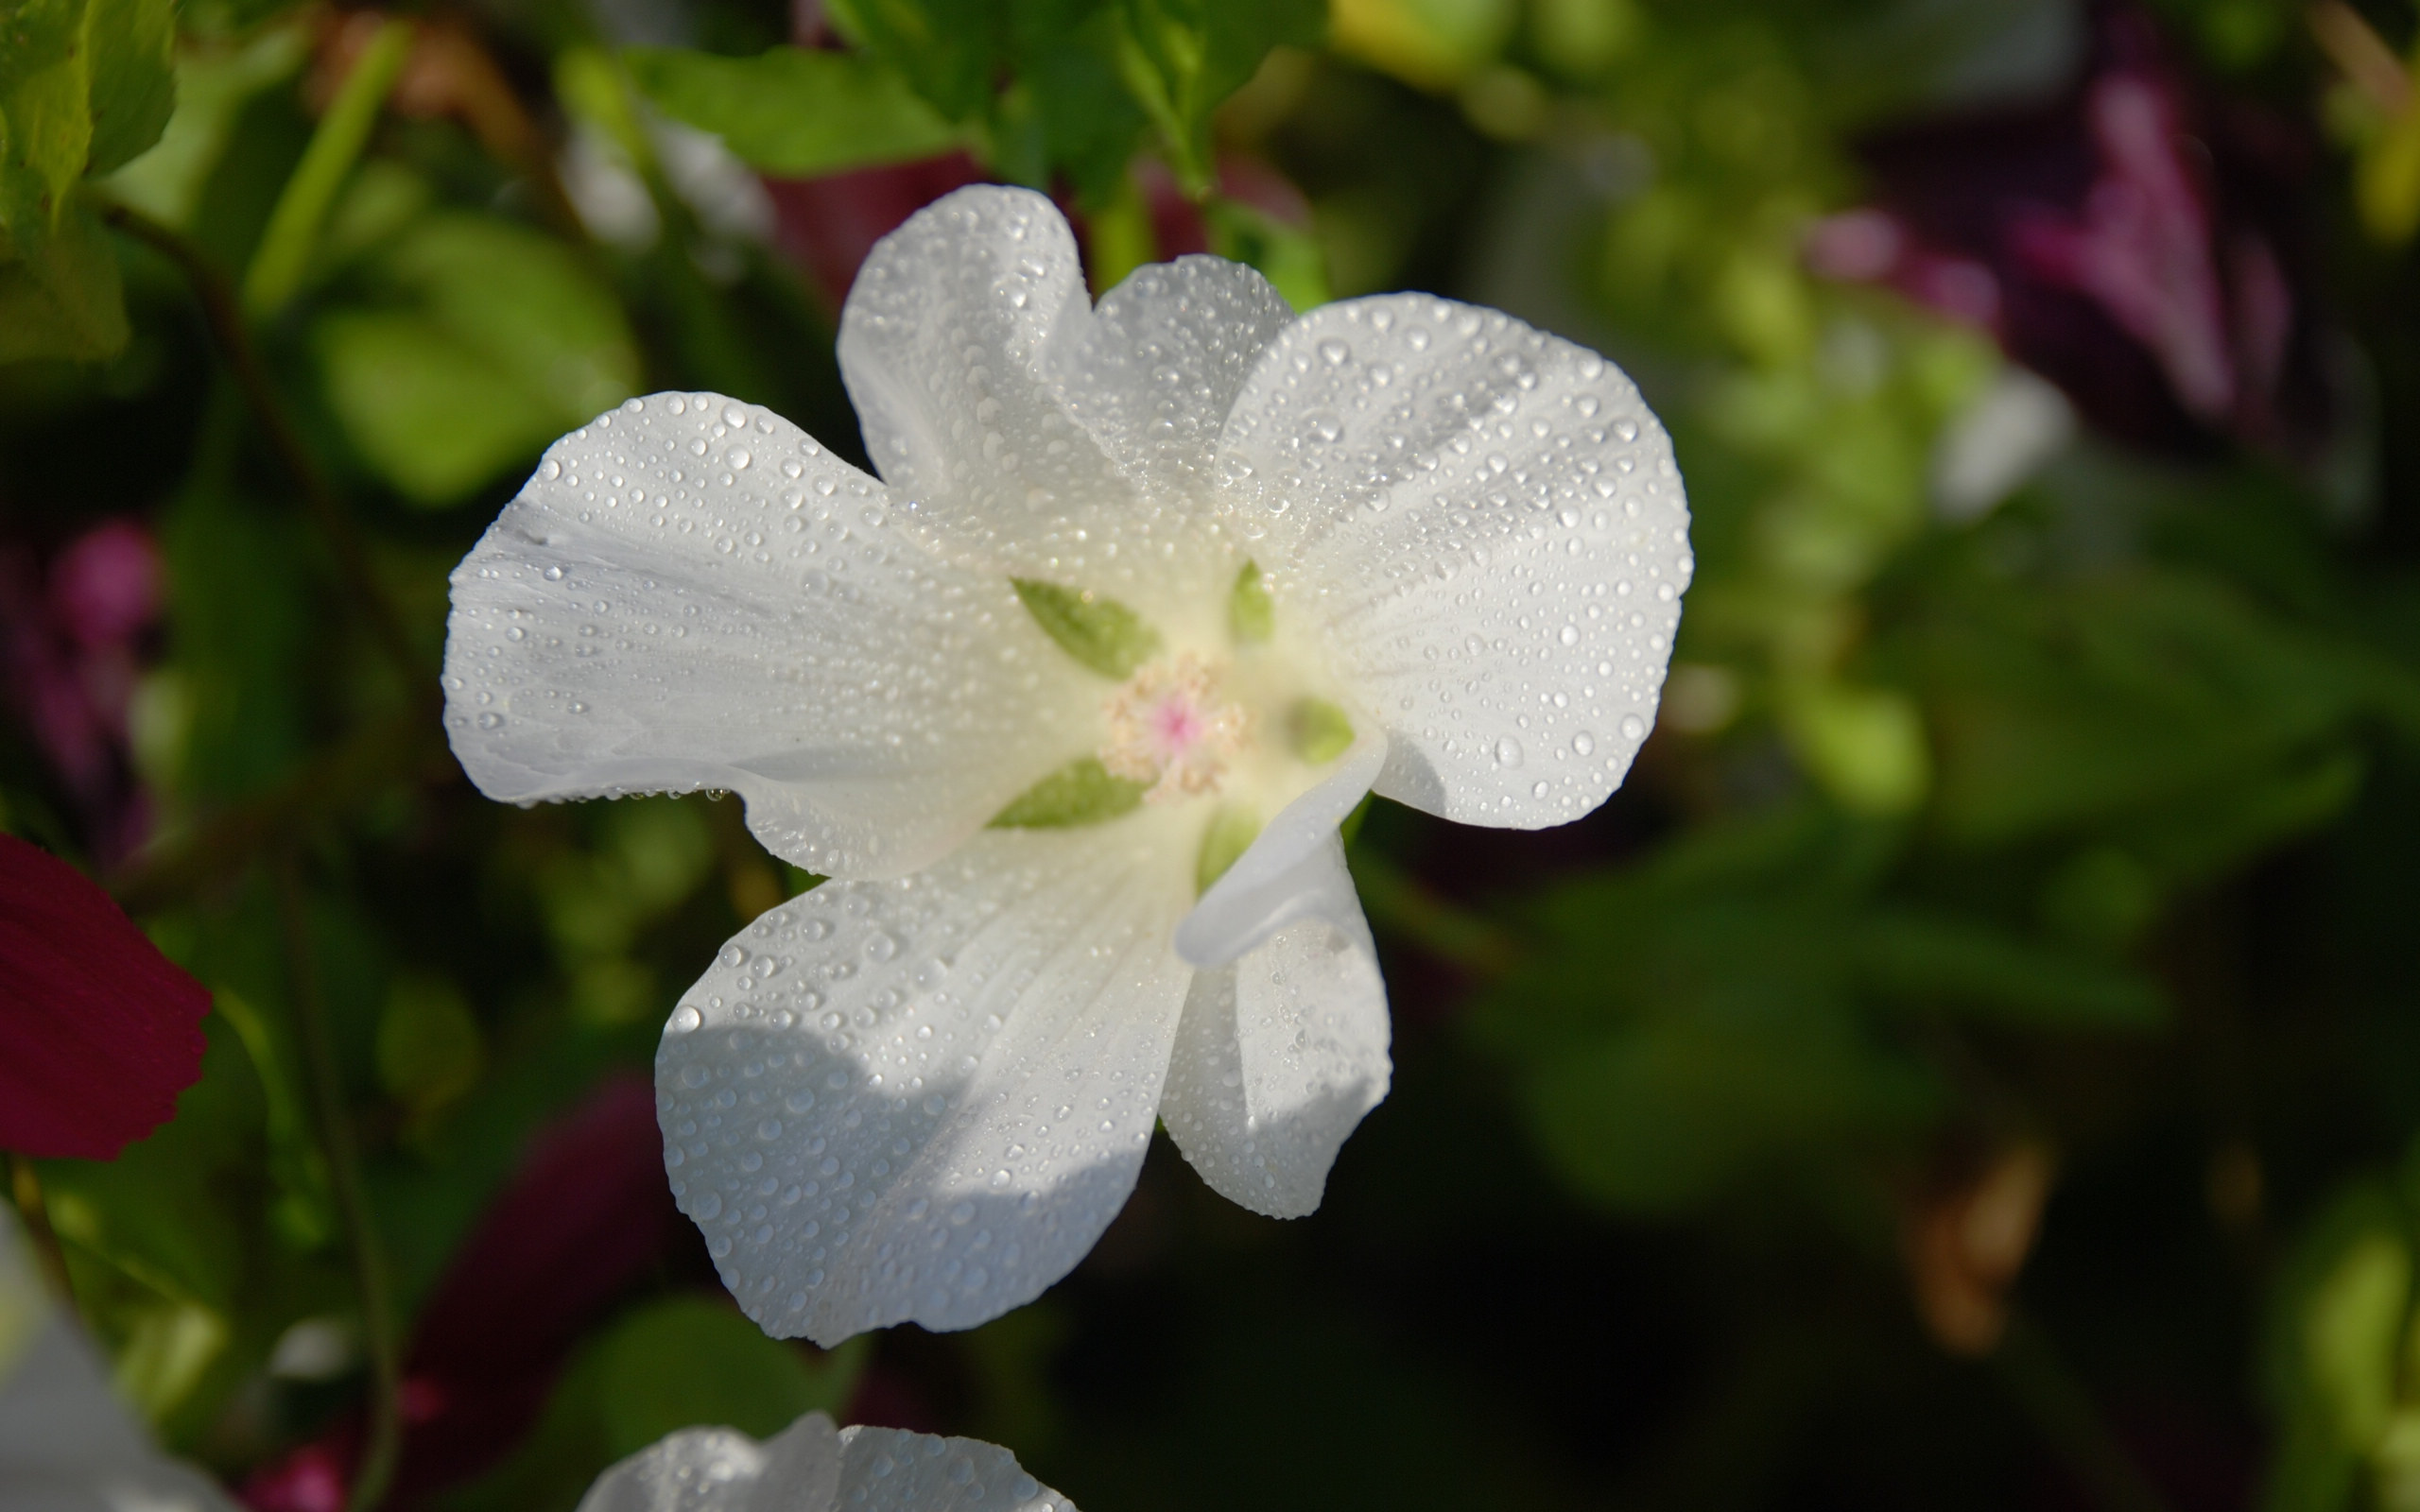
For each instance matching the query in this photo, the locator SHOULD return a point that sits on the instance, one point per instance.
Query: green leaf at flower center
(1101, 633)
(1081, 792)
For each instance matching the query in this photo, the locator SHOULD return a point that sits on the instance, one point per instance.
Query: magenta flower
(98, 1031)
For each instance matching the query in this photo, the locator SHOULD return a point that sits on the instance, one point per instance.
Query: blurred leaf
(1289, 258)
(168, 1213)
(1938, 960)
(946, 49)
(681, 1362)
(1180, 58)
(133, 77)
(1865, 746)
(211, 85)
(430, 1049)
(794, 111)
(1428, 43)
(1682, 1024)
(692, 1360)
(1664, 1115)
(508, 341)
(2067, 708)
(45, 107)
(2339, 1313)
(61, 297)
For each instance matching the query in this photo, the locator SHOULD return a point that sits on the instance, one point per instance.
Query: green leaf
(507, 342)
(47, 113)
(1180, 57)
(1252, 615)
(1942, 961)
(691, 1360)
(1289, 257)
(794, 111)
(1667, 1114)
(947, 49)
(134, 86)
(1318, 730)
(1224, 840)
(682, 1362)
(2057, 710)
(1081, 792)
(430, 1050)
(63, 298)
(1101, 633)
(427, 410)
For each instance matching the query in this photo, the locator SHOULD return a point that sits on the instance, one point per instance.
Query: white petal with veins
(1154, 371)
(1485, 524)
(889, 1470)
(810, 1467)
(691, 594)
(1282, 1052)
(922, 1100)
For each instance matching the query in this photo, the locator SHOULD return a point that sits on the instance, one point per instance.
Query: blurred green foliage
(2066, 830)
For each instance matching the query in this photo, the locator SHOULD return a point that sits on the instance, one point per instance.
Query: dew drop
(1633, 727)
(1507, 753)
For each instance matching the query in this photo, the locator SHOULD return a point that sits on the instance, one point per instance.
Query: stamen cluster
(1172, 726)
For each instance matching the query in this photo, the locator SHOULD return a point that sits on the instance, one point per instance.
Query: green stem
(2047, 1391)
(320, 501)
(302, 206)
(24, 1184)
(385, 1438)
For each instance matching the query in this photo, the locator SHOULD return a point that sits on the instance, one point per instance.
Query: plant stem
(320, 501)
(385, 1438)
(293, 226)
(24, 1184)
(2033, 1373)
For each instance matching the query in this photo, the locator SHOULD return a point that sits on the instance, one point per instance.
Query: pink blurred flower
(70, 656)
(2139, 244)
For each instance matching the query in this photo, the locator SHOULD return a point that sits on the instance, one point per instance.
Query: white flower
(1184, 545)
(66, 1444)
(808, 1467)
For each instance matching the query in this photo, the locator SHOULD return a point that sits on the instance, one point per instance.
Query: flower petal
(1486, 524)
(945, 348)
(66, 1443)
(1286, 874)
(1155, 370)
(889, 1469)
(924, 1099)
(1280, 1054)
(98, 1031)
(722, 1469)
(1042, 437)
(691, 594)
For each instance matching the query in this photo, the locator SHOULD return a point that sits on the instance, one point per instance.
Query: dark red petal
(98, 1031)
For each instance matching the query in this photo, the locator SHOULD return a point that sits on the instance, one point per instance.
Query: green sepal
(1230, 833)
(1101, 633)
(1251, 615)
(1318, 730)
(1081, 792)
